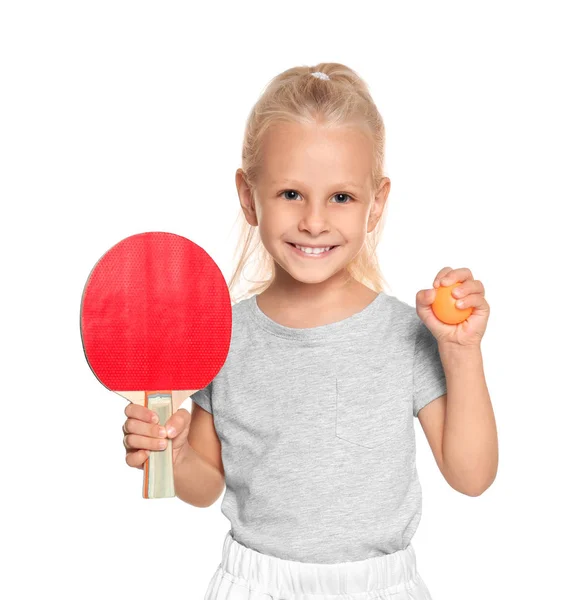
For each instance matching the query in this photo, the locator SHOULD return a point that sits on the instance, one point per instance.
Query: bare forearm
(469, 446)
(196, 481)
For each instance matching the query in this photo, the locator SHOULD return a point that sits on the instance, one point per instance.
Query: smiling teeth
(313, 250)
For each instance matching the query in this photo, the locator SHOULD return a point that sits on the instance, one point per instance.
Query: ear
(378, 204)
(246, 197)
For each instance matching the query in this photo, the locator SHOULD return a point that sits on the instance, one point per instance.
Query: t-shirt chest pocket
(374, 408)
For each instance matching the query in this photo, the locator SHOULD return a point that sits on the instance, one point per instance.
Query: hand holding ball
(444, 306)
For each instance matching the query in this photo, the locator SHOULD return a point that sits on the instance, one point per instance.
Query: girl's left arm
(461, 430)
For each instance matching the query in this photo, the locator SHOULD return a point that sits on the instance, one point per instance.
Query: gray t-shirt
(317, 430)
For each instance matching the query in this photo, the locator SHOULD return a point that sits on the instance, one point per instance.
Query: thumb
(177, 422)
(424, 300)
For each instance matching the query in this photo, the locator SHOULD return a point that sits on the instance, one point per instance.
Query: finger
(137, 458)
(146, 429)
(471, 286)
(142, 442)
(142, 413)
(177, 422)
(456, 275)
(440, 275)
(474, 300)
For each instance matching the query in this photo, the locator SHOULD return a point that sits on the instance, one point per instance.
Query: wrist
(456, 348)
(452, 353)
(181, 455)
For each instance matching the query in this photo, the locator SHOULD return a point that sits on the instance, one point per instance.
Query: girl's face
(314, 190)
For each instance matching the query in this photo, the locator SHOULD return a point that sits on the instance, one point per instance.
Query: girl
(309, 423)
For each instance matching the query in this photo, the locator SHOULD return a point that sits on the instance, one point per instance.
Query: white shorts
(245, 574)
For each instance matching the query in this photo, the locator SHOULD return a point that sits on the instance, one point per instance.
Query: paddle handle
(158, 469)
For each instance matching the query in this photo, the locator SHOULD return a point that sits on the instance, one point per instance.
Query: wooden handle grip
(158, 469)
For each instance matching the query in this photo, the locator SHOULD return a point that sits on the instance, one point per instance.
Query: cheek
(269, 220)
(355, 229)
(271, 226)
(277, 222)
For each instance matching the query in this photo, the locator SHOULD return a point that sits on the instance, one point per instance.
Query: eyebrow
(298, 184)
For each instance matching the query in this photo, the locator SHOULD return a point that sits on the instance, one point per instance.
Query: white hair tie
(320, 75)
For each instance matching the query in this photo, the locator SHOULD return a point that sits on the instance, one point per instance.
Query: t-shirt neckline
(317, 333)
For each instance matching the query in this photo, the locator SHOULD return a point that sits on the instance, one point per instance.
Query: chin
(312, 280)
(312, 276)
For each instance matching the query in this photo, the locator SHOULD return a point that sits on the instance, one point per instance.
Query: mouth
(313, 253)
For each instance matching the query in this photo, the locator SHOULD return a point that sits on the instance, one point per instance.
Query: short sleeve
(428, 372)
(203, 398)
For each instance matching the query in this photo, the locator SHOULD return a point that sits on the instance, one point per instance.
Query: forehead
(315, 152)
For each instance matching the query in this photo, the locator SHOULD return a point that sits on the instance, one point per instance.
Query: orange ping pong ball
(444, 306)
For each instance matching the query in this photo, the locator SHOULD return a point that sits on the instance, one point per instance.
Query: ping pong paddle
(156, 324)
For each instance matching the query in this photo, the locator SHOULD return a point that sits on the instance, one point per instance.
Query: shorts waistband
(390, 572)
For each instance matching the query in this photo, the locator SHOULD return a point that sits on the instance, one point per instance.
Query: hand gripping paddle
(156, 323)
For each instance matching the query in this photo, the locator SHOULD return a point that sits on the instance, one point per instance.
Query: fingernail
(171, 431)
(162, 432)
(154, 419)
(162, 444)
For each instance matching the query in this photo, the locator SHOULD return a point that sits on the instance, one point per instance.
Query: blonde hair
(297, 96)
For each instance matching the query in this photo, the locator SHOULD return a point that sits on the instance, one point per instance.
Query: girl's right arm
(197, 463)
(198, 470)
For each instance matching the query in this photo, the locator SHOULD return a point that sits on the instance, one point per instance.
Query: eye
(335, 195)
(341, 194)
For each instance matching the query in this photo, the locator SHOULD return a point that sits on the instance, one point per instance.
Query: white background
(123, 117)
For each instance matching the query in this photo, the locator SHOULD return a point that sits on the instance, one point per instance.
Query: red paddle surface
(156, 315)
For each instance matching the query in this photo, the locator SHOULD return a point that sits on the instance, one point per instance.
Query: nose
(314, 219)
